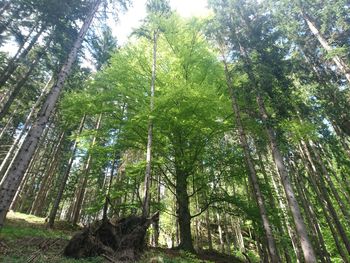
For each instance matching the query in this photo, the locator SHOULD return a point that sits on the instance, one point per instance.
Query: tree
(13, 180)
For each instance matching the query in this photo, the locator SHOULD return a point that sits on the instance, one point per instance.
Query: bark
(146, 198)
(13, 64)
(319, 184)
(281, 202)
(221, 239)
(17, 143)
(322, 249)
(306, 245)
(30, 172)
(334, 191)
(105, 206)
(64, 178)
(86, 172)
(284, 223)
(207, 219)
(183, 212)
(343, 67)
(13, 180)
(21, 46)
(48, 178)
(156, 222)
(323, 205)
(6, 127)
(18, 87)
(252, 172)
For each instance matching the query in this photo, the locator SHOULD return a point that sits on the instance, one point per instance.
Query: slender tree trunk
(334, 191)
(21, 46)
(343, 67)
(16, 144)
(282, 204)
(8, 123)
(324, 205)
(312, 220)
(64, 178)
(81, 192)
(30, 174)
(156, 222)
(207, 220)
(252, 172)
(319, 183)
(284, 222)
(306, 245)
(46, 182)
(9, 186)
(221, 239)
(105, 206)
(18, 87)
(146, 198)
(13, 64)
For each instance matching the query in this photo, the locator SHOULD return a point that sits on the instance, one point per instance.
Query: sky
(132, 18)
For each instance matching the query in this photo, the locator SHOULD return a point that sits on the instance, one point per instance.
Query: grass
(25, 238)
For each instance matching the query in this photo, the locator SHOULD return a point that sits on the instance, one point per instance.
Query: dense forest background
(235, 126)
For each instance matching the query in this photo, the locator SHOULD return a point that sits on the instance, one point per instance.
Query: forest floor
(24, 239)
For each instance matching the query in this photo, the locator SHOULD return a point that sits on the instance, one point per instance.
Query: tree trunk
(146, 198)
(64, 179)
(221, 239)
(18, 87)
(8, 123)
(207, 219)
(334, 191)
(306, 245)
(9, 186)
(343, 67)
(86, 172)
(16, 144)
(319, 183)
(324, 255)
(107, 200)
(13, 64)
(183, 212)
(252, 172)
(46, 182)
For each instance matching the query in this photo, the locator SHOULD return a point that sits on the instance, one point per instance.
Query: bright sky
(132, 18)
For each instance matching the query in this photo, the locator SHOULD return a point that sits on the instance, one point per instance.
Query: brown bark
(16, 144)
(326, 174)
(343, 67)
(306, 245)
(312, 219)
(323, 195)
(64, 178)
(47, 180)
(252, 172)
(183, 211)
(9, 186)
(86, 172)
(148, 176)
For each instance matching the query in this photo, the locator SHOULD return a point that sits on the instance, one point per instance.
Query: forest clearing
(174, 131)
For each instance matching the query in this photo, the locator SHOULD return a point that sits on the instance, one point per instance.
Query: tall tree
(12, 181)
